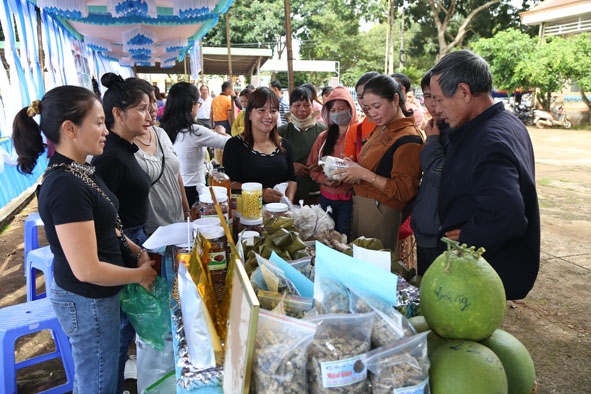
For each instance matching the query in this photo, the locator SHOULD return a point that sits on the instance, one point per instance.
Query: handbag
(83, 172)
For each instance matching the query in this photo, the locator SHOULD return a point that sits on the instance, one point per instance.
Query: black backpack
(385, 166)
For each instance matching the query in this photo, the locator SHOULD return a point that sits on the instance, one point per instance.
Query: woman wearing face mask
(387, 175)
(339, 114)
(301, 131)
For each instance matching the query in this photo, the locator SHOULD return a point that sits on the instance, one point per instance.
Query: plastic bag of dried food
(280, 355)
(336, 361)
(303, 265)
(293, 306)
(304, 219)
(330, 165)
(389, 324)
(401, 365)
(330, 296)
(274, 278)
(324, 222)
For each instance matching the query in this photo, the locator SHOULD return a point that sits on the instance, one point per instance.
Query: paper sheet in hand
(173, 234)
(378, 258)
(357, 274)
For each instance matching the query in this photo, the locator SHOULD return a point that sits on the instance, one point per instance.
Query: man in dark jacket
(487, 196)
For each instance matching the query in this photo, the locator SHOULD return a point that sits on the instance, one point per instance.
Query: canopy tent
(140, 32)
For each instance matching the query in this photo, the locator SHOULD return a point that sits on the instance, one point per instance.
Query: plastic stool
(38, 259)
(32, 222)
(27, 318)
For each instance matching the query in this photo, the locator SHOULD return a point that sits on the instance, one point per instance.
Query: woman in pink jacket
(338, 113)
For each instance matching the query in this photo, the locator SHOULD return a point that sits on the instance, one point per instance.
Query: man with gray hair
(487, 196)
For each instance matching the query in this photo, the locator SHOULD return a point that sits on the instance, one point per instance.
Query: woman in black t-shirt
(259, 154)
(79, 213)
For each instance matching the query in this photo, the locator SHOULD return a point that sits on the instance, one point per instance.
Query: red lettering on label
(334, 375)
(347, 373)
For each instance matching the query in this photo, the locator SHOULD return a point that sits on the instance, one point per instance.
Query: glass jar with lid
(207, 207)
(217, 257)
(252, 200)
(275, 209)
(250, 225)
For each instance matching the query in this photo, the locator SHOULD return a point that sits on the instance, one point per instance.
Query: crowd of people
(462, 168)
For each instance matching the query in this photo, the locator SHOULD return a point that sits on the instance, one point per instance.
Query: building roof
(568, 11)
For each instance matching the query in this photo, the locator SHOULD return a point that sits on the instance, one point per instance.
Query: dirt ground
(554, 321)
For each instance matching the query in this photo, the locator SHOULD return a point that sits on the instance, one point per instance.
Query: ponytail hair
(63, 103)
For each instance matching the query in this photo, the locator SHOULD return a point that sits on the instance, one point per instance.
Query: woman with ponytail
(80, 216)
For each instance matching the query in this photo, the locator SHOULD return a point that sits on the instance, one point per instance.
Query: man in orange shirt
(222, 113)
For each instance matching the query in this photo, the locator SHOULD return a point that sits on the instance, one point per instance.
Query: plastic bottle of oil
(218, 177)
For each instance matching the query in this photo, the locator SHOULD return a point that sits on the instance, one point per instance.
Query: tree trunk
(436, 8)
(585, 99)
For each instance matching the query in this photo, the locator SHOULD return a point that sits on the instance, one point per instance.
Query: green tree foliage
(258, 22)
(579, 69)
(518, 60)
(546, 68)
(504, 52)
(450, 24)
(330, 30)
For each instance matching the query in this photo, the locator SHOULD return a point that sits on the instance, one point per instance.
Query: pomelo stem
(460, 249)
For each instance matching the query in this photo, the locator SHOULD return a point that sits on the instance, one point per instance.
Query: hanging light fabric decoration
(138, 52)
(139, 35)
(74, 9)
(98, 44)
(168, 61)
(126, 61)
(191, 8)
(145, 63)
(175, 45)
(195, 57)
(127, 8)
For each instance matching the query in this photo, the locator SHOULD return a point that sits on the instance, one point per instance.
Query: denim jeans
(92, 324)
(127, 334)
(341, 214)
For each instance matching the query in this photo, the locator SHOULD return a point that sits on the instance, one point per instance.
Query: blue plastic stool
(31, 236)
(38, 259)
(27, 318)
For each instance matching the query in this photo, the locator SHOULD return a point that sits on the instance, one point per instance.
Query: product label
(421, 388)
(343, 372)
(217, 261)
(183, 257)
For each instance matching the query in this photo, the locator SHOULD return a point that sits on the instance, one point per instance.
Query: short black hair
(463, 66)
(276, 84)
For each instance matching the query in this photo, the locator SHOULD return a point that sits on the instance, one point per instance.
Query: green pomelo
(518, 364)
(434, 341)
(462, 296)
(466, 367)
(419, 323)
